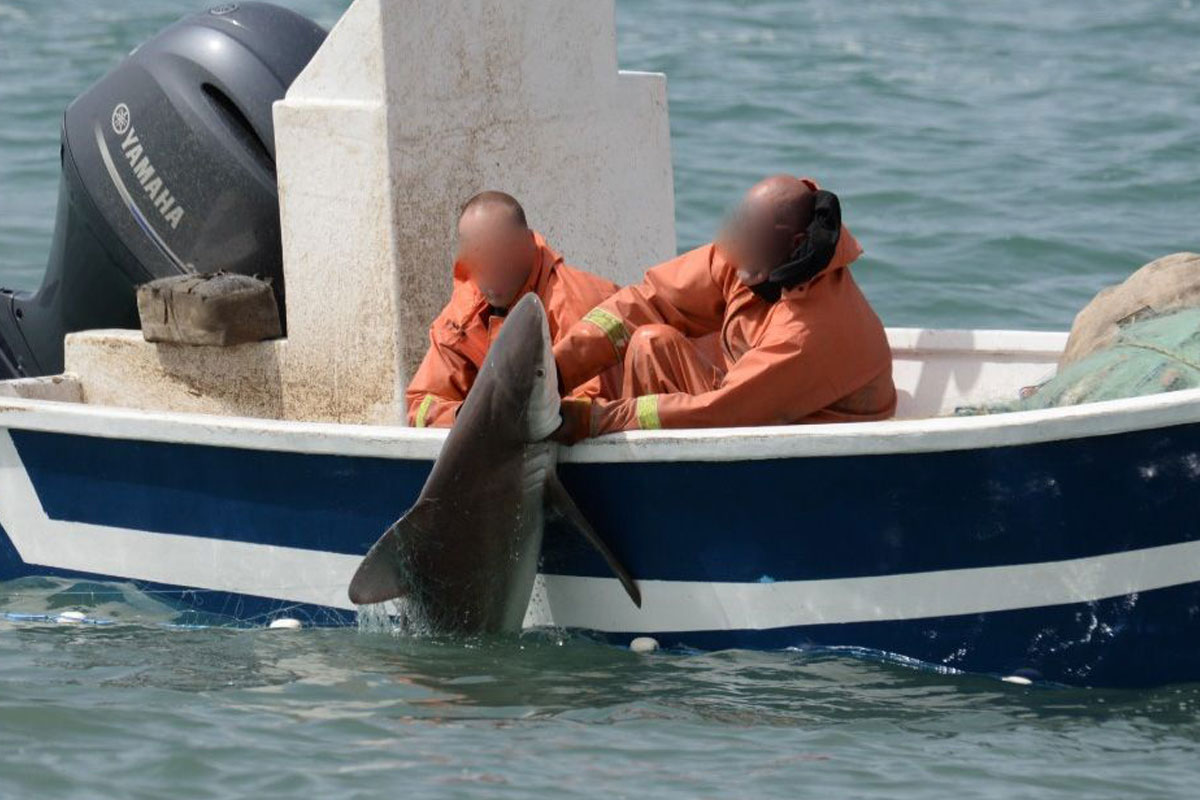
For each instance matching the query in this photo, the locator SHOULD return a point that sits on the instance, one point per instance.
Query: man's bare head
(786, 199)
(494, 206)
(768, 226)
(496, 246)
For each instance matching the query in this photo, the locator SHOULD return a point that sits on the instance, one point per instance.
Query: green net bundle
(1150, 356)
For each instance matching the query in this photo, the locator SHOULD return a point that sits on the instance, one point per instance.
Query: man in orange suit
(796, 340)
(499, 260)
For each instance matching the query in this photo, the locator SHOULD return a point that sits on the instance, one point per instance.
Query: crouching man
(499, 260)
(797, 340)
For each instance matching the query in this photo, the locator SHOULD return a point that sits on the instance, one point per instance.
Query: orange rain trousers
(819, 354)
(460, 336)
(661, 360)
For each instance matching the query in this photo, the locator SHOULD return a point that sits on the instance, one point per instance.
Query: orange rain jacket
(819, 354)
(460, 336)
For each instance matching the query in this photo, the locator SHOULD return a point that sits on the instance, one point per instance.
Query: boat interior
(936, 372)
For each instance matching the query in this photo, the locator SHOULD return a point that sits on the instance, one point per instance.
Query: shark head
(530, 377)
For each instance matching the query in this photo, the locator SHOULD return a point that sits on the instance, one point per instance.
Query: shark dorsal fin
(561, 503)
(380, 575)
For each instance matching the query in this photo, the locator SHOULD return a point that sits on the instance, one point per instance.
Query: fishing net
(1148, 356)
(1165, 285)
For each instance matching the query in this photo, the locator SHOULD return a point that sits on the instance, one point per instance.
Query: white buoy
(71, 618)
(285, 624)
(1019, 680)
(643, 644)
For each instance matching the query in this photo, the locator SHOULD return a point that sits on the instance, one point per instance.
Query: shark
(465, 556)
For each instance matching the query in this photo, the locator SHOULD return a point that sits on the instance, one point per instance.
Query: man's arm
(683, 293)
(439, 387)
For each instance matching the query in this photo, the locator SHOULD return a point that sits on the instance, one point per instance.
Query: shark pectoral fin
(561, 503)
(381, 574)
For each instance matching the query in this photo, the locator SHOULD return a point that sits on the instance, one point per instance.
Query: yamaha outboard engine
(168, 166)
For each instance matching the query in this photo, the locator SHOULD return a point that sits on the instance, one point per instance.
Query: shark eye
(541, 373)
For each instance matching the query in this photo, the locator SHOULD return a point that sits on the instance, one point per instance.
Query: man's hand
(562, 389)
(576, 421)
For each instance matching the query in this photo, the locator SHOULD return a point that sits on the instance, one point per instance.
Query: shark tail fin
(382, 573)
(561, 502)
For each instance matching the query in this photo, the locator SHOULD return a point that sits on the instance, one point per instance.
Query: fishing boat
(1059, 541)
(248, 482)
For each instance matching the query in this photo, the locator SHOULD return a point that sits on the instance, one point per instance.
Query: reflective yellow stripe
(423, 410)
(612, 326)
(647, 412)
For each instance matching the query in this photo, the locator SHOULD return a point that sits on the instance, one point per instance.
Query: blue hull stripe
(334, 504)
(795, 519)
(1122, 642)
(1147, 640)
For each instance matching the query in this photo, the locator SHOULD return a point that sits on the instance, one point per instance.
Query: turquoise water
(136, 709)
(1000, 163)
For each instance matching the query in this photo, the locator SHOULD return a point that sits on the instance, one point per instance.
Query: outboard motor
(168, 166)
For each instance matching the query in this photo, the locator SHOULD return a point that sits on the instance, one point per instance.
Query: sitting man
(499, 260)
(795, 340)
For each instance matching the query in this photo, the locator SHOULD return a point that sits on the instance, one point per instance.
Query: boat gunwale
(895, 436)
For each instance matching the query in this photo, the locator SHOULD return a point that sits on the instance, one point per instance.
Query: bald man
(796, 339)
(499, 260)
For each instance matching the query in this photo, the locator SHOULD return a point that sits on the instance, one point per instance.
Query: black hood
(813, 255)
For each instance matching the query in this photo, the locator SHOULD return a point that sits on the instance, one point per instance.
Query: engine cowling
(168, 166)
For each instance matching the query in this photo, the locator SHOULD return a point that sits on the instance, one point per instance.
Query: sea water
(1000, 163)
